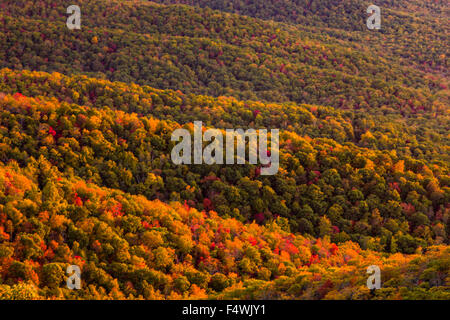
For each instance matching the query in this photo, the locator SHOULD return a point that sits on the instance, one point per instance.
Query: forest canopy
(86, 177)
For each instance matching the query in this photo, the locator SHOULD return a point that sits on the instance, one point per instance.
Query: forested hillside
(423, 136)
(210, 53)
(413, 30)
(338, 193)
(131, 247)
(86, 176)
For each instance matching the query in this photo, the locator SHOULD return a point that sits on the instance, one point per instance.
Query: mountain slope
(412, 33)
(420, 135)
(215, 54)
(380, 200)
(129, 247)
(87, 179)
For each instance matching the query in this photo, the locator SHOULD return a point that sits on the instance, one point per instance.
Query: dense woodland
(86, 118)
(209, 53)
(130, 247)
(412, 31)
